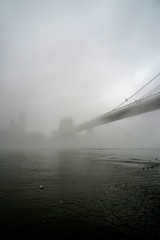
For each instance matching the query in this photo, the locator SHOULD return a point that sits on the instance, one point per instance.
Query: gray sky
(77, 58)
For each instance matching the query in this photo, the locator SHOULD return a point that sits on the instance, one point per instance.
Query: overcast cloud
(80, 59)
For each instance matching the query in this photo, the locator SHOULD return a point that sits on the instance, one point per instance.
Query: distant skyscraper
(22, 122)
(12, 125)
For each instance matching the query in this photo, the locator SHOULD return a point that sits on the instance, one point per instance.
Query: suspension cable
(127, 99)
(151, 92)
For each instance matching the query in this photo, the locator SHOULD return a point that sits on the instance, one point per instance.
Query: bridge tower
(66, 125)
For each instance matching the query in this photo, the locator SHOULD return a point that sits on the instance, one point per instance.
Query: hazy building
(21, 123)
(12, 126)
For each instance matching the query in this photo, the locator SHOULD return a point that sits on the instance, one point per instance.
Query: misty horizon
(79, 59)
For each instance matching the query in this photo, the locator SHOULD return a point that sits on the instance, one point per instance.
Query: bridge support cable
(153, 91)
(127, 99)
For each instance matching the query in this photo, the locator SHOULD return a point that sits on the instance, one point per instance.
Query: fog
(77, 59)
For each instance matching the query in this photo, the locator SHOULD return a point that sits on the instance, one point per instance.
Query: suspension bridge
(145, 105)
(149, 102)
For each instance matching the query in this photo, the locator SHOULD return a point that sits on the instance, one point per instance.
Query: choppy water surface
(99, 194)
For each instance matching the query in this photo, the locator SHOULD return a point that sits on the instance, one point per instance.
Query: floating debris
(60, 201)
(41, 187)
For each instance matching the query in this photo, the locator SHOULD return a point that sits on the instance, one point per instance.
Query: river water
(87, 194)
